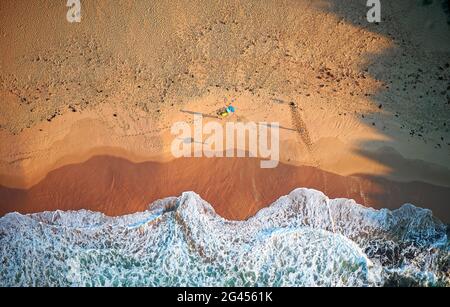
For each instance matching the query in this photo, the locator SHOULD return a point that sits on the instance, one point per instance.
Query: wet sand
(237, 188)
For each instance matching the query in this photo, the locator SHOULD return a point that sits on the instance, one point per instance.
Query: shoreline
(236, 188)
(96, 116)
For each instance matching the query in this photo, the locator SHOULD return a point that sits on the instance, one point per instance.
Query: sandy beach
(224, 143)
(86, 108)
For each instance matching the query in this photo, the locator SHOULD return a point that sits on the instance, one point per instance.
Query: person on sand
(226, 111)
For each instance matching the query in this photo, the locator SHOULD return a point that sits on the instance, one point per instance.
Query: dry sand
(371, 102)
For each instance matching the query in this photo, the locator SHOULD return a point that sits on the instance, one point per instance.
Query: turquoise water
(303, 239)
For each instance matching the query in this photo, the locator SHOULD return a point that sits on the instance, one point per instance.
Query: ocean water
(303, 239)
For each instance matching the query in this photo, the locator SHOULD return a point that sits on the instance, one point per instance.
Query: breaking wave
(303, 239)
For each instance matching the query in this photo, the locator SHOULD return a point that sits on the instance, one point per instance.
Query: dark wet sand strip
(237, 188)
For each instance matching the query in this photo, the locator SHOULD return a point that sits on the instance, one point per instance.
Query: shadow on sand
(415, 77)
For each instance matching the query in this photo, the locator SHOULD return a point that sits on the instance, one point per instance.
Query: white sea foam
(303, 239)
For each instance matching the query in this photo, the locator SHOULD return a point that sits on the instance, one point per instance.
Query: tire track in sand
(302, 130)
